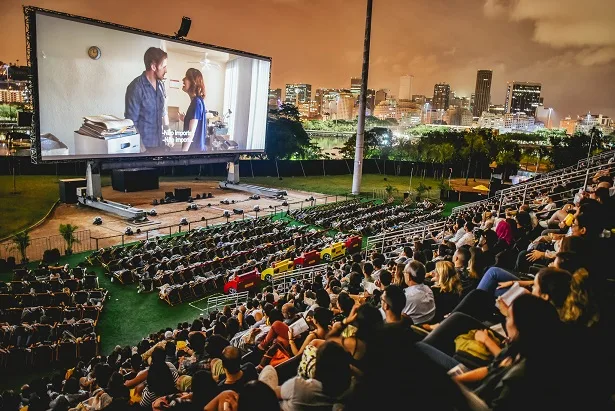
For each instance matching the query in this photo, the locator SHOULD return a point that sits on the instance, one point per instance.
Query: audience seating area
(49, 316)
(506, 305)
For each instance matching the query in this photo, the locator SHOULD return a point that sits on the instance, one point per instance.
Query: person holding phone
(195, 122)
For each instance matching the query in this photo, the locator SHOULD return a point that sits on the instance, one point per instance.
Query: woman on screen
(195, 122)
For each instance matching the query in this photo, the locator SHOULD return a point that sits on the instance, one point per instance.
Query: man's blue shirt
(145, 106)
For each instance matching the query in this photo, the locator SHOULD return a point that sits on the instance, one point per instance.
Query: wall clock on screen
(94, 53)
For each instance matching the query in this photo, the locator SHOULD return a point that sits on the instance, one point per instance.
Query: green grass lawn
(337, 185)
(37, 194)
(34, 197)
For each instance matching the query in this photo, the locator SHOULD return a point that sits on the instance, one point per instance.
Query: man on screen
(146, 101)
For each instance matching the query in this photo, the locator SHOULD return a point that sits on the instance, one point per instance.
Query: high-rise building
(568, 124)
(419, 99)
(589, 121)
(441, 96)
(298, 93)
(522, 97)
(346, 105)
(370, 102)
(275, 98)
(458, 116)
(405, 88)
(355, 86)
(381, 95)
(482, 92)
(327, 100)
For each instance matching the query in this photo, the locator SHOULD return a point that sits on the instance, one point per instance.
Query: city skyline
(447, 41)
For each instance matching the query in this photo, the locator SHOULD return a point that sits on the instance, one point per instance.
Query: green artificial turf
(127, 316)
(340, 185)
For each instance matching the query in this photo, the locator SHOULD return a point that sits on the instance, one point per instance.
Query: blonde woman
(447, 289)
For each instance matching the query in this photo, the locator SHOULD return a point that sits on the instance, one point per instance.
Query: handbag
(466, 345)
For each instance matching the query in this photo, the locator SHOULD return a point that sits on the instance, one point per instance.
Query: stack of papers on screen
(107, 126)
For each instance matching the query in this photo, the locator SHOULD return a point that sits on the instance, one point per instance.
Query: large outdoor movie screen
(105, 92)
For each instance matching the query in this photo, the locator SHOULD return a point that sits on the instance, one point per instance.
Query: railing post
(122, 239)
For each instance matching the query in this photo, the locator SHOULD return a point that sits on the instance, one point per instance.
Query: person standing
(195, 122)
(145, 101)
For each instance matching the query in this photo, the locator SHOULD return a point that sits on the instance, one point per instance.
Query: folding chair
(83, 328)
(43, 333)
(13, 315)
(90, 282)
(66, 352)
(185, 293)
(27, 300)
(98, 296)
(60, 299)
(38, 286)
(72, 284)
(72, 313)
(19, 274)
(44, 299)
(61, 328)
(18, 287)
(178, 278)
(80, 297)
(54, 314)
(124, 276)
(91, 312)
(55, 286)
(88, 349)
(197, 289)
(42, 356)
(173, 297)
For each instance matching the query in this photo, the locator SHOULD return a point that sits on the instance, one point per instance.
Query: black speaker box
(134, 179)
(182, 193)
(68, 189)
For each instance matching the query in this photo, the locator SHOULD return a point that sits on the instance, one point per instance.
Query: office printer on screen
(217, 133)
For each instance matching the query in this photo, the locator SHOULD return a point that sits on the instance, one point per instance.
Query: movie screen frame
(36, 154)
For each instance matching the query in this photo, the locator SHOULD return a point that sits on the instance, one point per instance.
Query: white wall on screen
(71, 85)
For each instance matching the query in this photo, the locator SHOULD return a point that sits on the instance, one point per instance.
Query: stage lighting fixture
(184, 28)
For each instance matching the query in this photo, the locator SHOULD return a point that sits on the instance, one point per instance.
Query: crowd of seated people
(48, 315)
(368, 218)
(500, 311)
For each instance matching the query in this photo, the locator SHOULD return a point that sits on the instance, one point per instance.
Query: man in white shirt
(420, 303)
(468, 237)
(459, 230)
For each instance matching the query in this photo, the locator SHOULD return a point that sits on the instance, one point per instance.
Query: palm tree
(67, 231)
(474, 144)
(21, 241)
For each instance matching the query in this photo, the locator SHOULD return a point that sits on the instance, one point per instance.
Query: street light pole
(591, 141)
(358, 155)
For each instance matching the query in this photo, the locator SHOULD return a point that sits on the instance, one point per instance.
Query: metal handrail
(283, 283)
(381, 240)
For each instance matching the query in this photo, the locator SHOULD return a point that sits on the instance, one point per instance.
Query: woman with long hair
(195, 120)
(160, 379)
(398, 275)
(447, 290)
